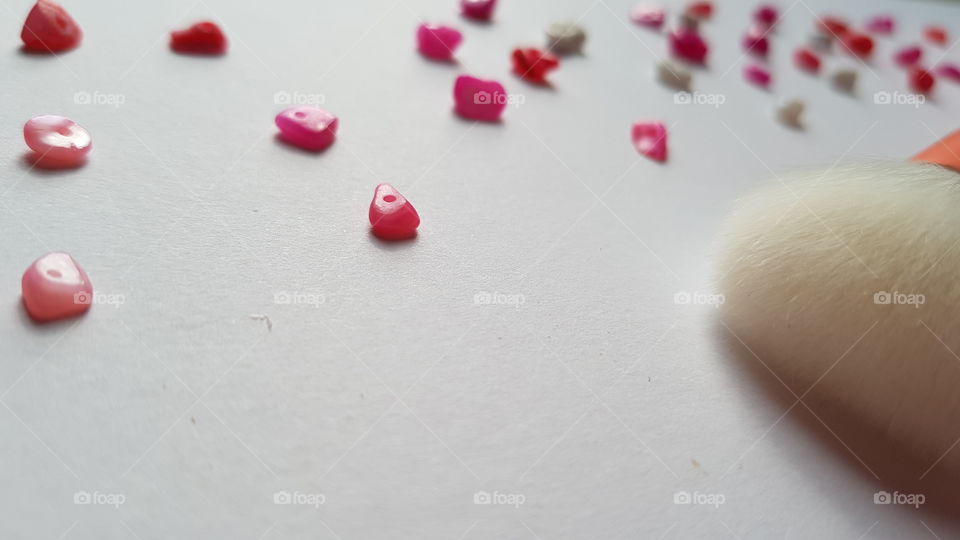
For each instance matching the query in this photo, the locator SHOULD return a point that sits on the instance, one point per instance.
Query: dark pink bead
(756, 41)
(908, 56)
(949, 71)
(766, 15)
(757, 75)
(688, 45)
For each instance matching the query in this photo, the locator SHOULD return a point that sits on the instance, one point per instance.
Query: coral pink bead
(908, 56)
(688, 45)
(700, 10)
(49, 28)
(57, 142)
(308, 127)
(921, 80)
(881, 24)
(55, 287)
(203, 38)
(438, 42)
(766, 15)
(650, 139)
(832, 26)
(392, 217)
(481, 10)
(756, 42)
(478, 99)
(757, 75)
(936, 34)
(533, 64)
(647, 15)
(807, 60)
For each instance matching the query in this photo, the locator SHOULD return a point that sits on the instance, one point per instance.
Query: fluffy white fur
(800, 264)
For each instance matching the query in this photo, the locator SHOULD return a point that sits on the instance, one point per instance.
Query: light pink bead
(650, 139)
(55, 287)
(881, 24)
(647, 15)
(438, 42)
(478, 99)
(58, 142)
(309, 128)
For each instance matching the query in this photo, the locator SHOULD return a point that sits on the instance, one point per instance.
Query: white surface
(398, 398)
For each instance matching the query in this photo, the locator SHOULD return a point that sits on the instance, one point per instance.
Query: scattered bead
(807, 60)
(936, 35)
(438, 42)
(49, 28)
(700, 10)
(480, 10)
(54, 287)
(308, 127)
(57, 142)
(688, 46)
(478, 99)
(757, 75)
(674, 75)
(858, 44)
(565, 38)
(821, 42)
(766, 15)
(908, 56)
(756, 41)
(881, 24)
(949, 71)
(647, 15)
(650, 139)
(532, 64)
(833, 26)
(203, 38)
(392, 217)
(844, 80)
(921, 80)
(791, 113)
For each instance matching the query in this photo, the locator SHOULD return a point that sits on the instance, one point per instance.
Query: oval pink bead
(647, 15)
(55, 287)
(438, 42)
(766, 15)
(908, 56)
(949, 71)
(757, 75)
(57, 141)
(308, 127)
(478, 99)
(881, 24)
(481, 10)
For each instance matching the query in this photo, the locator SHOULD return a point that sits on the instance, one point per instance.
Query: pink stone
(757, 75)
(908, 56)
(647, 15)
(308, 127)
(478, 99)
(392, 217)
(949, 71)
(57, 142)
(437, 41)
(688, 45)
(481, 10)
(756, 42)
(766, 15)
(55, 287)
(650, 139)
(881, 24)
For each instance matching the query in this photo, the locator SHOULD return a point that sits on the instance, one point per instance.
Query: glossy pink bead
(881, 24)
(54, 287)
(647, 15)
(481, 10)
(756, 42)
(688, 45)
(650, 139)
(478, 99)
(757, 75)
(309, 128)
(438, 42)
(57, 142)
(908, 56)
(392, 217)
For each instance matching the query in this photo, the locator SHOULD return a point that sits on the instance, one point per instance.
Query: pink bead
(757, 75)
(392, 217)
(908, 56)
(756, 42)
(438, 42)
(57, 142)
(481, 10)
(646, 15)
(55, 287)
(478, 99)
(766, 15)
(949, 71)
(309, 128)
(688, 45)
(650, 139)
(881, 24)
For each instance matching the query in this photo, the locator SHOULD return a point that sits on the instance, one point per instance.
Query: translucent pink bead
(650, 139)
(438, 42)
(756, 42)
(55, 287)
(646, 15)
(881, 24)
(309, 128)
(908, 56)
(481, 10)
(57, 142)
(688, 45)
(478, 99)
(757, 75)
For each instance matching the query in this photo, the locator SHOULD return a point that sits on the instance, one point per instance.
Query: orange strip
(945, 152)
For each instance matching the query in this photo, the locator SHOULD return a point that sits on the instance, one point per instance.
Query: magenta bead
(57, 142)
(766, 15)
(688, 45)
(908, 56)
(949, 71)
(478, 99)
(309, 128)
(757, 75)
(54, 287)
(438, 42)
(756, 42)
(481, 10)
(650, 139)
(881, 24)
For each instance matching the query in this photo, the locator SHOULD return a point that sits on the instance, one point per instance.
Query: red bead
(688, 45)
(807, 60)
(49, 28)
(202, 38)
(936, 34)
(921, 80)
(533, 64)
(832, 25)
(766, 15)
(858, 44)
(392, 217)
(700, 10)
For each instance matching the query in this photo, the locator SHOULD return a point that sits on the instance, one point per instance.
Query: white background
(398, 398)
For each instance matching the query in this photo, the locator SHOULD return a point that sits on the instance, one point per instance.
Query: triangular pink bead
(650, 139)
(391, 214)
(54, 287)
